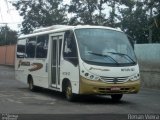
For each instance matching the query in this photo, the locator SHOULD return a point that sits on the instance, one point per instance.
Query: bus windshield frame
(105, 47)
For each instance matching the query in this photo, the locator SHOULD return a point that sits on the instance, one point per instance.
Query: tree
(113, 14)
(7, 36)
(83, 10)
(137, 18)
(40, 13)
(100, 17)
(134, 20)
(153, 6)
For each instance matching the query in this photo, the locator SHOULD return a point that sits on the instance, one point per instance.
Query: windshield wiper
(122, 54)
(104, 56)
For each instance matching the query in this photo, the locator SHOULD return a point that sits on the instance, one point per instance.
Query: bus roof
(61, 28)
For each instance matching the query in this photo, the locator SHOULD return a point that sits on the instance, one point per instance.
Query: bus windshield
(104, 46)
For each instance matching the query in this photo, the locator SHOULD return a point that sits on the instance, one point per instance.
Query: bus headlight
(134, 77)
(89, 76)
(92, 76)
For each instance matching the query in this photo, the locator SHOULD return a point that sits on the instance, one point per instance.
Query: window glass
(70, 49)
(30, 47)
(42, 46)
(104, 47)
(21, 48)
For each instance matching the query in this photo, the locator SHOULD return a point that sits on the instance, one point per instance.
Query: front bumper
(100, 87)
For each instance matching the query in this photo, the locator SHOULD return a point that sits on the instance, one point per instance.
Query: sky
(9, 15)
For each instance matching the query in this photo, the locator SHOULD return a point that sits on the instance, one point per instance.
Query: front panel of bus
(107, 61)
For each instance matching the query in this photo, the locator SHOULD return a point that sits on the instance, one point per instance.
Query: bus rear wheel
(68, 93)
(116, 97)
(31, 85)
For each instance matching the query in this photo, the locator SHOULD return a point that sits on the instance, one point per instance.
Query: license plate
(115, 88)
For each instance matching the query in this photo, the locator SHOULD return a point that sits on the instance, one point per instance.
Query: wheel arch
(65, 82)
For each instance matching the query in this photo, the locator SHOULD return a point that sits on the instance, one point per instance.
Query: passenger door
(56, 43)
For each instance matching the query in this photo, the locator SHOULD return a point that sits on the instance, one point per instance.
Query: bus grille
(114, 79)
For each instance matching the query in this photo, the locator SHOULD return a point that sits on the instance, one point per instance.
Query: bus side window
(30, 47)
(70, 48)
(42, 46)
(21, 48)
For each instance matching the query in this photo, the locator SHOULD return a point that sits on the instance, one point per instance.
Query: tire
(31, 85)
(68, 93)
(116, 97)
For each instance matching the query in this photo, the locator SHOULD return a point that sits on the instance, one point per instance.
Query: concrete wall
(148, 56)
(148, 52)
(7, 54)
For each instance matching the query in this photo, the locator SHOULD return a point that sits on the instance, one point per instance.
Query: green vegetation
(140, 19)
(7, 36)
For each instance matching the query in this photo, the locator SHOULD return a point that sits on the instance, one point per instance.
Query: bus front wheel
(68, 92)
(116, 97)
